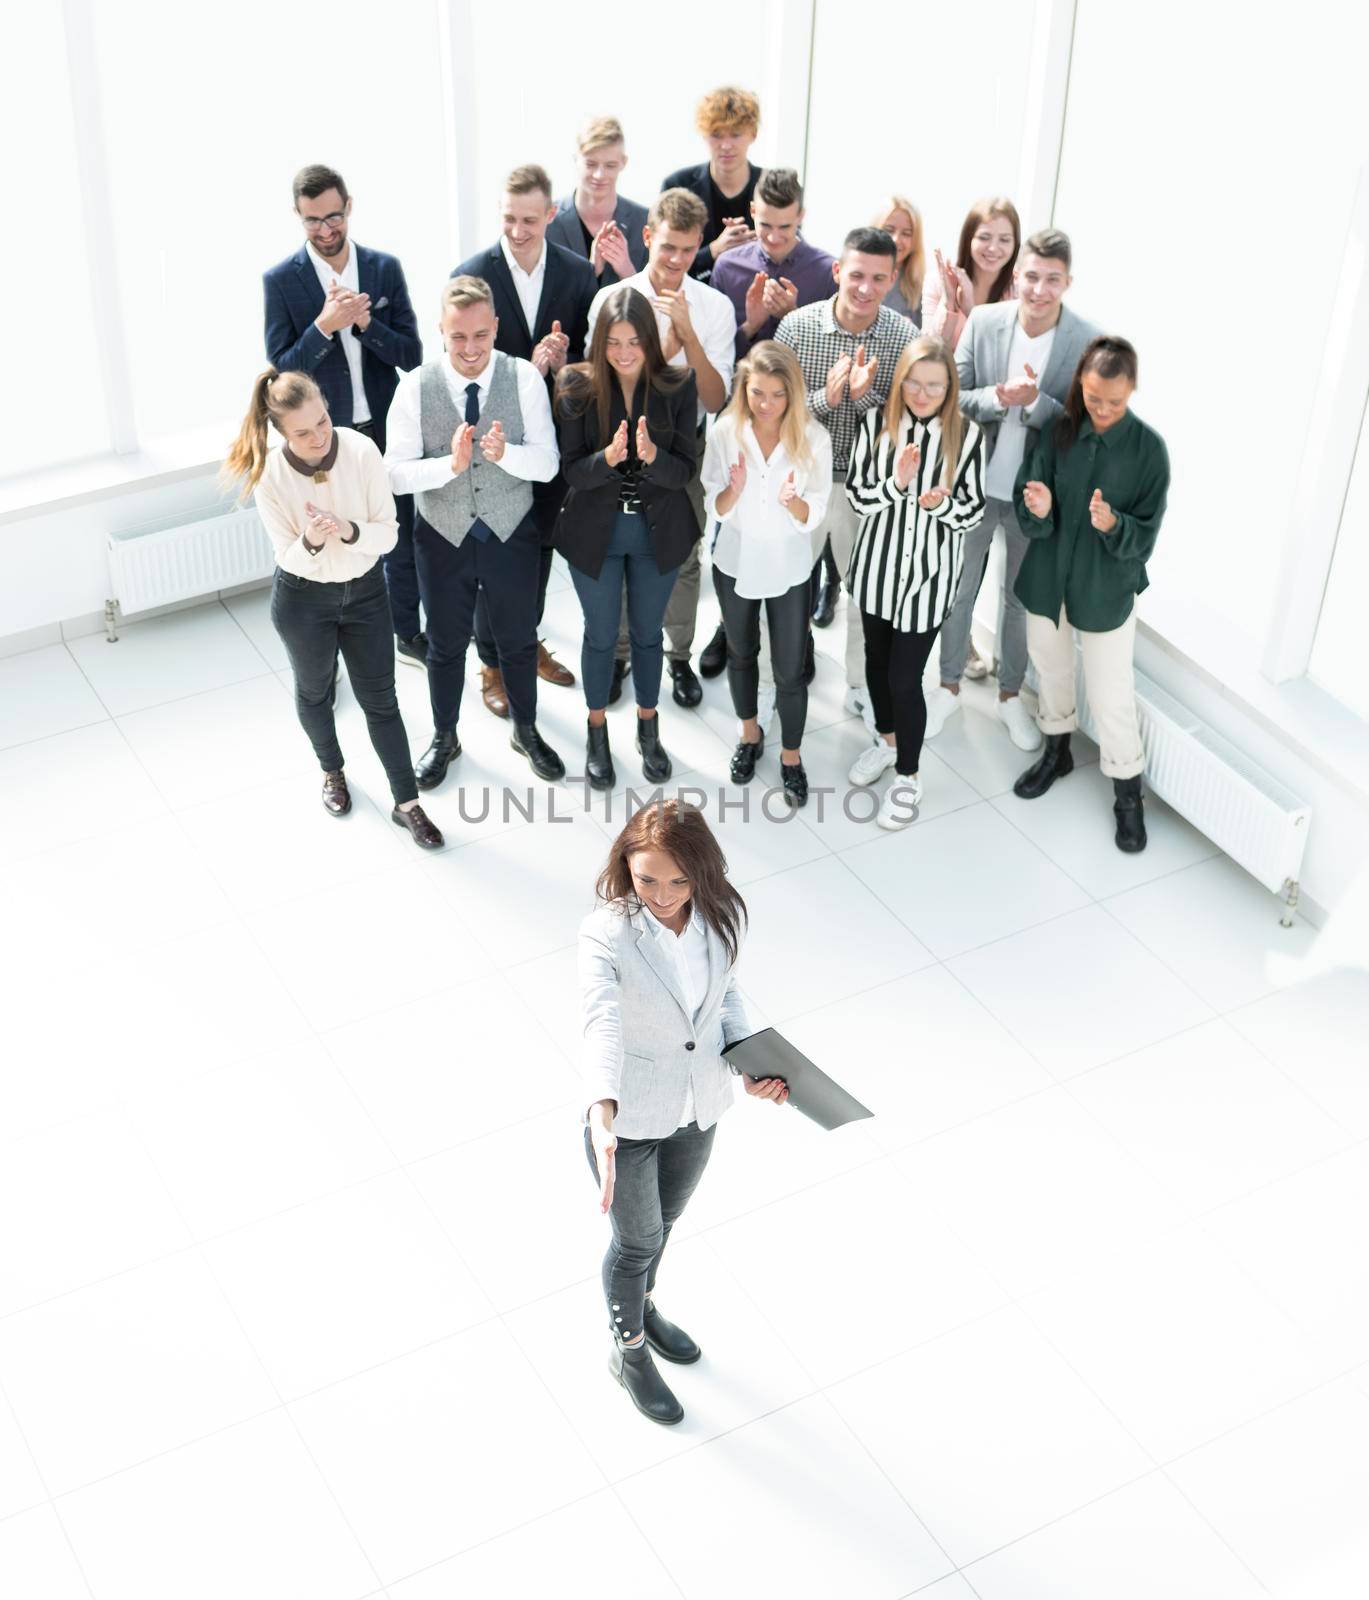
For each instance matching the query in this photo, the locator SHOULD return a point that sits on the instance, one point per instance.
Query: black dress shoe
(713, 656)
(810, 663)
(599, 758)
(795, 781)
(668, 1341)
(422, 829)
(615, 688)
(1055, 761)
(337, 799)
(825, 606)
(686, 689)
(744, 759)
(656, 766)
(646, 1388)
(1130, 813)
(433, 763)
(414, 651)
(543, 760)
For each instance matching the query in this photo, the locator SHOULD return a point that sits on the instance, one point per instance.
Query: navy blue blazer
(568, 286)
(565, 229)
(390, 344)
(697, 181)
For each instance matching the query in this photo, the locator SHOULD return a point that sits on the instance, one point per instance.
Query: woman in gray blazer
(658, 979)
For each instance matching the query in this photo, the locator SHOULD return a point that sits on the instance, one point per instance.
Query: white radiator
(1261, 825)
(166, 565)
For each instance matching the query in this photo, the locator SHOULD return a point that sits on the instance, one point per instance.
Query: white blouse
(760, 544)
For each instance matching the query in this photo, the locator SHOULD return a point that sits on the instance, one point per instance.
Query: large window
(1338, 656)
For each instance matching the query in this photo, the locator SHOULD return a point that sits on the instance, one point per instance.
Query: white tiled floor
(299, 1255)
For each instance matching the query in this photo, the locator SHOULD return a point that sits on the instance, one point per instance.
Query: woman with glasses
(980, 275)
(916, 482)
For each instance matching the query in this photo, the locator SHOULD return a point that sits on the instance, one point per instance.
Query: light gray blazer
(981, 359)
(641, 1047)
(564, 229)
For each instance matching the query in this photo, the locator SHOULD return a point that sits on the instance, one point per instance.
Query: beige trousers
(1108, 681)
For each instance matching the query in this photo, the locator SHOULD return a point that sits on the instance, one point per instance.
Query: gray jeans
(654, 1179)
(1012, 619)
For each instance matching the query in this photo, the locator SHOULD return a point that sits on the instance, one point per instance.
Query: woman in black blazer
(627, 425)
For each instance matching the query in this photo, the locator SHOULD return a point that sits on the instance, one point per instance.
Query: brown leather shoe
(550, 668)
(492, 691)
(337, 801)
(424, 831)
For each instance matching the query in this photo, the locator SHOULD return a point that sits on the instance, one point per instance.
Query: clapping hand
(1020, 392)
(957, 293)
(789, 492)
(461, 447)
(551, 351)
(775, 1089)
(610, 250)
(615, 452)
(341, 308)
(1037, 499)
(862, 373)
(492, 443)
(932, 498)
(736, 475)
(781, 297)
(322, 524)
(905, 467)
(735, 232)
(1101, 514)
(755, 301)
(838, 376)
(646, 450)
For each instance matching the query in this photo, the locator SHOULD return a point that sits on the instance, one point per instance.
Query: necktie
(478, 529)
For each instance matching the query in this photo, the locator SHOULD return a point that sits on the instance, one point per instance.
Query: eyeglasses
(924, 391)
(334, 220)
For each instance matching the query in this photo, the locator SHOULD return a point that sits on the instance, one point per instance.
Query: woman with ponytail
(324, 498)
(1090, 498)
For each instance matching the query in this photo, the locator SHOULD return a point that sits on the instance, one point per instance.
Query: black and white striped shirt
(906, 561)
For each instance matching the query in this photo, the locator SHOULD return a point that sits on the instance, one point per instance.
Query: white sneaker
(976, 666)
(871, 765)
(941, 704)
(857, 704)
(765, 707)
(898, 806)
(1020, 723)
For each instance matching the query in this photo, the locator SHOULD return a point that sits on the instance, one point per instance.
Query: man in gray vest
(469, 435)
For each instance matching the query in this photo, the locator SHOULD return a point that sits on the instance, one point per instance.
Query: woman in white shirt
(659, 987)
(324, 498)
(767, 475)
(916, 481)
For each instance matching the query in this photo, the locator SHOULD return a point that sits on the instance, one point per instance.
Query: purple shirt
(807, 268)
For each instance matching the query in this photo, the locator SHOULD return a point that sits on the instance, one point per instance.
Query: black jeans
(787, 617)
(315, 622)
(450, 577)
(485, 646)
(653, 1183)
(894, 664)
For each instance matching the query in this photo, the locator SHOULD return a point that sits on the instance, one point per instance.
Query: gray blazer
(642, 1049)
(981, 359)
(564, 229)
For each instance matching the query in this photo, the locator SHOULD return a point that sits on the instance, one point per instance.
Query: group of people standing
(622, 383)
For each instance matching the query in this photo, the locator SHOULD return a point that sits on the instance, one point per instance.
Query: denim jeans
(1012, 625)
(630, 554)
(787, 624)
(654, 1180)
(316, 622)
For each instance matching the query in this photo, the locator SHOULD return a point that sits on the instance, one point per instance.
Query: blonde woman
(324, 499)
(916, 483)
(767, 476)
(902, 221)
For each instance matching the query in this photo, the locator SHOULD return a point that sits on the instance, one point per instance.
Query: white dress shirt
(711, 312)
(689, 952)
(527, 285)
(328, 275)
(761, 544)
(536, 459)
(1000, 476)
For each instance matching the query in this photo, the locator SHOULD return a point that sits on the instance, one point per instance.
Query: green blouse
(1095, 576)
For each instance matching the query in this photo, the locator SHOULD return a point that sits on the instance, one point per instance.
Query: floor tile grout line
(49, 1501)
(1278, 1065)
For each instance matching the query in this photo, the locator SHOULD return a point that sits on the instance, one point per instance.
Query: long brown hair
(681, 832)
(928, 348)
(590, 382)
(771, 359)
(913, 270)
(1110, 356)
(997, 205)
(273, 394)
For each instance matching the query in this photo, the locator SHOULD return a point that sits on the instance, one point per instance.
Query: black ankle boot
(656, 766)
(673, 1343)
(433, 763)
(543, 760)
(1130, 814)
(599, 758)
(1055, 762)
(713, 656)
(646, 1388)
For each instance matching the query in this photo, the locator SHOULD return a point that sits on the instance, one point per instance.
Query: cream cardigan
(356, 490)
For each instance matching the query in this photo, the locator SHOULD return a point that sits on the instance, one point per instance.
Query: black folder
(768, 1054)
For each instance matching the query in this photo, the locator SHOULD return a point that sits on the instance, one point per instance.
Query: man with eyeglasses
(341, 313)
(1015, 360)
